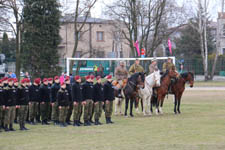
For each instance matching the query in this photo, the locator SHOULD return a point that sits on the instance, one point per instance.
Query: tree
(8, 47)
(188, 42)
(41, 37)
(147, 21)
(8, 8)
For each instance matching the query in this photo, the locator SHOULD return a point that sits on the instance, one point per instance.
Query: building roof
(70, 19)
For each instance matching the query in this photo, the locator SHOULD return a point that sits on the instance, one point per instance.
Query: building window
(223, 50)
(100, 36)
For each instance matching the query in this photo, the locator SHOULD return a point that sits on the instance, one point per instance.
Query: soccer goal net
(105, 66)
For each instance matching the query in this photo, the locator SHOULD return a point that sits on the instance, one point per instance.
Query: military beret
(45, 79)
(10, 79)
(15, 80)
(56, 77)
(87, 77)
(77, 77)
(92, 77)
(67, 78)
(37, 80)
(109, 77)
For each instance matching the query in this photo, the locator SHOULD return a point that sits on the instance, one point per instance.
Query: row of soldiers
(56, 101)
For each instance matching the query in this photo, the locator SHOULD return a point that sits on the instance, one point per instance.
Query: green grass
(209, 84)
(201, 126)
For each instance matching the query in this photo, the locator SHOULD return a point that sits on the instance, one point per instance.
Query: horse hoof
(131, 115)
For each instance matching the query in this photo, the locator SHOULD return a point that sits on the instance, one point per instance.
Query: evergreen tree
(8, 47)
(41, 37)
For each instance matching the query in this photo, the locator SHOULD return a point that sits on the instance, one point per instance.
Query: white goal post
(113, 59)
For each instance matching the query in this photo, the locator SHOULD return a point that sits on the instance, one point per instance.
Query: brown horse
(179, 87)
(162, 90)
(135, 82)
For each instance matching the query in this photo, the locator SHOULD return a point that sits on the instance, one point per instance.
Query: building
(99, 38)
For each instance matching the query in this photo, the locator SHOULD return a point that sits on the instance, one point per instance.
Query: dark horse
(135, 82)
(162, 90)
(179, 87)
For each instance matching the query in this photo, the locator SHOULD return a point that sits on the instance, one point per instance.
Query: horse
(118, 101)
(134, 83)
(179, 87)
(162, 90)
(152, 80)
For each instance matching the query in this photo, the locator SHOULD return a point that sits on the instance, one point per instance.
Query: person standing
(93, 105)
(70, 103)
(54, 103)
(87, 93)
(45, 101)
(101, 70)
(77, 100)
(168, 65)
(109, 98)
(23, 100)
(98, 99)
(2, 106)
(136, 67)
(10, 96)
(16, 85)
(63, 101)
(34, 100)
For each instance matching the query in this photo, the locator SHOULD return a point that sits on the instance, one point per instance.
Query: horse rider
(121, 75)
(169, 66)
(136, 67)
(153, 67)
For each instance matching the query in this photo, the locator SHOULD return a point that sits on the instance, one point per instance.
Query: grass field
(210, 84)
(201, 126)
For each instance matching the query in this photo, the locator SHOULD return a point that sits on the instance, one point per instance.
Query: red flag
(170, 46)
(137, 47)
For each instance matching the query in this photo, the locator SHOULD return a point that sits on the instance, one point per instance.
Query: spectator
(101, 70)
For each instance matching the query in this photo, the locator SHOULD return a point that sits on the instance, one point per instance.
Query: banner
(170, 46)
(137, 47)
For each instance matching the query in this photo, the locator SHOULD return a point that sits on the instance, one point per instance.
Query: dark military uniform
(34, 98)
(70, 109)
(45, 103)
(98, 99)
(23, 100)
(63, 101)
(108, 97)
(87, 92)
(55, 109)
(78, 98)
(2, 104)
(50, 107)
(10, 96)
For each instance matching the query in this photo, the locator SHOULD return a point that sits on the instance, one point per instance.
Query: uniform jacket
(135, 68)
(63, 97)
(121, 73)
(108, 91)
(23, 95)
(69, 89)
(54, 90)
(77, 92)
(2, 100)
(98, 92)
(45, 93)
(87, 90)
(34, 93)
(10, 95)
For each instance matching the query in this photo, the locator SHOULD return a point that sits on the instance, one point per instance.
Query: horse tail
(154, 100)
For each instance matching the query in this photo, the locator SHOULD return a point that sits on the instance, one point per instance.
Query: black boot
(86, 123)
(32, 122)
(99, 123)
(11, 127)
(96, 121)
(6, 128)
(43, 122)
(24, 127)
(61, 124)
(107, 120)
(91, 121)
(46, 122)
(21, 127)
(110, 120)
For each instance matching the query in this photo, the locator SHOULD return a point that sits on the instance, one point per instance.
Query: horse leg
(120, 106)
(136, 102)
(151, 99)
(178, 106)
(175, 104)
(144, 105)
(116, 105)
(157, 106)
(131, 107)
(148, 105)
(161, 105)
(126, 106)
